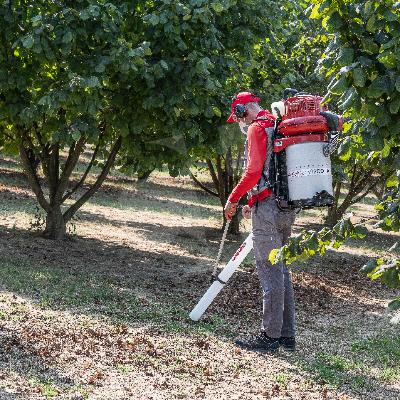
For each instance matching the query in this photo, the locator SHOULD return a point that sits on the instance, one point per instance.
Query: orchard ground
(104, 314)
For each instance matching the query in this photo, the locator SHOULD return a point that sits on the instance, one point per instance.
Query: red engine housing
(302, 116)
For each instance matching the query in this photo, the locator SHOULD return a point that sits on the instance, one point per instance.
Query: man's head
(245, 107)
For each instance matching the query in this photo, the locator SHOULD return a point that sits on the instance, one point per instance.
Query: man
(271, 227)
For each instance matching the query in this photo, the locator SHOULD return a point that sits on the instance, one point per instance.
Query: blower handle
(287, 91)
(228, 221)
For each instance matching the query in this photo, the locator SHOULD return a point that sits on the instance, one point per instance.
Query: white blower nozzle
(225, 274)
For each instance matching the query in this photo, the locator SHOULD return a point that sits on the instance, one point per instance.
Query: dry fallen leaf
(200, 390)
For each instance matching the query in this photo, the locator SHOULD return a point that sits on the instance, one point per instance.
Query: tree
(61, 68)
(362, 63)
(121, 77)
(224, 170)
(222, 48)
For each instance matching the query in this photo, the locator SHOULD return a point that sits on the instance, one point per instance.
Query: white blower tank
(308, 170)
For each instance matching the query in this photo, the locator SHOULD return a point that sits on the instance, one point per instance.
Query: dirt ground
(104, 315)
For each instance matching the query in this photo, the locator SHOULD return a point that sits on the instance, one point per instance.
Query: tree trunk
(56, 228)
(234, 225)
(223, 182)
(143, 178)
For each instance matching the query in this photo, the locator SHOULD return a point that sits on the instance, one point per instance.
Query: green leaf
(390, 43)
(346, 56)
(37, 18)
(340, 86)
(394, 305)
(335, 20)
(326, 239)
(347, 99)
(369, 46)
(100, 68)
(369, 267)
(379, 86)
(393, 180)
(209, 112)
(338, 241)
(382, 117)
(361, 231)
(312, 243)
(84, 14)
(272, 256)
(393, 277)
(342, 227)
(390, 15)
(153, 19)
(370, 24)
(67, 38)
(394, 105)
(76, 135)
(217, 7)
(44, 100)
(93, 81)
(28, 42)
(344, 150)
(359, 77)
(296, 239)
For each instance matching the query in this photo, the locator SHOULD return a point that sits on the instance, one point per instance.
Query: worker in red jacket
(270, 225)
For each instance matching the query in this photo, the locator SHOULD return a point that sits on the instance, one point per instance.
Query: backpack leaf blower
(306, 134)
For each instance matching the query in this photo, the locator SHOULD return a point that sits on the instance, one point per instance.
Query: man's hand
(246, 212)
(230, 210)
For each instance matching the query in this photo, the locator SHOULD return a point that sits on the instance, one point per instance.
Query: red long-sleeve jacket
(257, 151)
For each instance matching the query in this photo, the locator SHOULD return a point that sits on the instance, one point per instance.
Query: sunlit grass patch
(282, 378)
(384, 353)
(46, 387)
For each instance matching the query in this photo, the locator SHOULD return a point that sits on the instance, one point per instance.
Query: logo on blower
(307, 172)
(240, 249)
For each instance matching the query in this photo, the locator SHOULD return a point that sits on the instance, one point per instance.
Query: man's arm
(257, 142)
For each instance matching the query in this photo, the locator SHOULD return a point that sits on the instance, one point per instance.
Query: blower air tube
(225, 274)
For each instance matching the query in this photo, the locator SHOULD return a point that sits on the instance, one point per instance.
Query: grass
(59, 289)
(46, 387)
(97, 294)
(382, 351)
(100, 296)
(282, 378)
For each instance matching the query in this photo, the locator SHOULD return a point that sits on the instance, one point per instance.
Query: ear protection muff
(240, 110)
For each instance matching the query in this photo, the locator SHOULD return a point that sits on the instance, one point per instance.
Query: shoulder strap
(263, 119)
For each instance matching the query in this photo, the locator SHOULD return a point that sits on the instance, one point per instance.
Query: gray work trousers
(271, 229)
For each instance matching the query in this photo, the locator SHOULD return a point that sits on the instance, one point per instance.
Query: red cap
(242, 98)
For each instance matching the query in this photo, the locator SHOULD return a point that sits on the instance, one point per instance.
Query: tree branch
(75, 207)
(202, 186)
(32, 178)
(80, 183)
(221, 190)
(213, 175)
(371, 187)
(70, 164)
